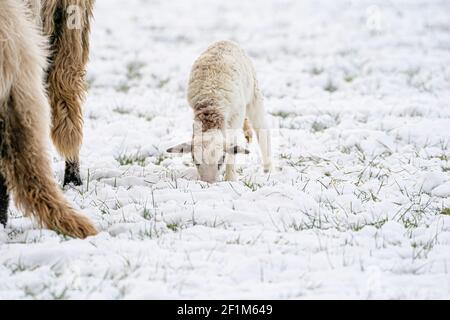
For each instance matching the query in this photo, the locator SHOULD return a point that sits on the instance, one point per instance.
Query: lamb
(25, 168)
(225, 97)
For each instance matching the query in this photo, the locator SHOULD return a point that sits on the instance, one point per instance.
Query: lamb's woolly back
(221, 78)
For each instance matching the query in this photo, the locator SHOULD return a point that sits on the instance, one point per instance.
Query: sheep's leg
(67, 118)
(257, 115)
(4, 201)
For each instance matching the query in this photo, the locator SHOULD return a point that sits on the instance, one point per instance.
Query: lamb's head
(209, 153)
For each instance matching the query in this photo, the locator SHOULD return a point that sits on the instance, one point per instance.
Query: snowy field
(358, 94)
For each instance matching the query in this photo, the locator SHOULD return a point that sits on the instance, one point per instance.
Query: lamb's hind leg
(257, 115)
(4, 201)
(248, 131)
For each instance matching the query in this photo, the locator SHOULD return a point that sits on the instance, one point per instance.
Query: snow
(358, 96)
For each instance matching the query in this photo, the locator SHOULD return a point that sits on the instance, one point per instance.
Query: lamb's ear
(182, 148)
(237, 150)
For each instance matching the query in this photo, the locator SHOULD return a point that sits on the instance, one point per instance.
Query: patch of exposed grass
(252, 185)
(146, 117)
(147, 214)
(330, 87)
(163, 82)
(175, 227)
(128, 160)
(121, 110)
(316, 71)
(318, 127)
(123, 87)
(134, 70)
(349, 78)
(160, 159)
(284, 114)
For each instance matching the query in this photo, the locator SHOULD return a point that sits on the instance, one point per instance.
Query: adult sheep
(24, 125)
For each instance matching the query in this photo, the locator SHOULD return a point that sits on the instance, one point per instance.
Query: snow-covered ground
(359, 98)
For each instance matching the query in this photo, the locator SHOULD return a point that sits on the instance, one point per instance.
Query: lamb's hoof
(230, 178)
(268, 168)
(249, 137)
(72, 174)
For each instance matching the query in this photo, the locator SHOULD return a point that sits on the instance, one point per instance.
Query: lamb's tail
(24, 123)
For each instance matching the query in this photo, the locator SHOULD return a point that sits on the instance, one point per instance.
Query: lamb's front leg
(230, 173)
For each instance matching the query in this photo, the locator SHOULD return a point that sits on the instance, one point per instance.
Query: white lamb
(224, 94)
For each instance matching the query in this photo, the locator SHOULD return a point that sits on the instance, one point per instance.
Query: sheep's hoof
(4, 202)
(3, 214)
(72, 174)
(3, 218)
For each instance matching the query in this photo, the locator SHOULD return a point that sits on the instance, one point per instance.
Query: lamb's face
(208, 154)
